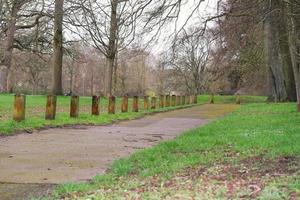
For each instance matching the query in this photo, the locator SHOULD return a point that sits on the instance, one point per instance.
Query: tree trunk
(112, 46)
(273, 53)
(109, 77)
(294, 45)
(57, 48)
(289, 79)
(115, 73)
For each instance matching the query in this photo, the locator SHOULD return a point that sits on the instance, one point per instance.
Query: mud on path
(34, 162)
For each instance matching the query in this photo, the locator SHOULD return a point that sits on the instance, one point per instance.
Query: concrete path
(66, 155)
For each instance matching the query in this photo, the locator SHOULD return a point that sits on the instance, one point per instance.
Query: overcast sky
(207, 8)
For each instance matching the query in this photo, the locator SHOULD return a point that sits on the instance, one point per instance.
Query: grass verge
(251, 154)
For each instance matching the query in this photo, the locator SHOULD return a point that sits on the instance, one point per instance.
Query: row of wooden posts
(164, 101)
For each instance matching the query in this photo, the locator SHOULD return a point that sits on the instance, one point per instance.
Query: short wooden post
(51, 107)
(161, 101)
(168, 101)
(153, 103)
(135, 104)
(195, 99)
(191, 99)
(173, 100)
(178, 103)
(74, 107)
(187, 100)
(19, 108)
(124, 107)
(112, 105)
(212, 99)
(182, 100)
(95, 105)
(238, 99)
(146, 103)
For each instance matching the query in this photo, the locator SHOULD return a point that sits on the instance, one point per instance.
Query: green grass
(35, 108)
(271, 131)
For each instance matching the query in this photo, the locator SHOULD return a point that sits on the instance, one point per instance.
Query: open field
(251, 154)
(35, 108)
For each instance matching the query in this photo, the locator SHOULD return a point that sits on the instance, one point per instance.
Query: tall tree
(58, 48)
(292, 15)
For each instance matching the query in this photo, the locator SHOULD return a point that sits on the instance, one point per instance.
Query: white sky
(207, 8)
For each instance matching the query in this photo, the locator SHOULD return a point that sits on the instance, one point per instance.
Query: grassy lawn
(251, 154)
(35, 108)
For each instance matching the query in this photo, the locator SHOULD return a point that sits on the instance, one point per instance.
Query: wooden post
(173, 100)
(112, 105)
(182, 100)
(161, 101)
(51, 107)
(238, 99)
(178, 103)
(146, 103)
(124, 107)
(191, 99)
(153, 103)
(168, 101)
(95, 105)
(187, 100)
(195, 99)
(212, 99)
(19, 108)
(135, 104)
(74, 107)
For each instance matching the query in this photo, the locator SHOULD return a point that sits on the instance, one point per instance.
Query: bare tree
(191, 54)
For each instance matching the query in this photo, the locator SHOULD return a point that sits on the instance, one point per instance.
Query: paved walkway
(63, 155)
